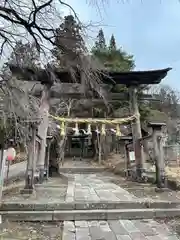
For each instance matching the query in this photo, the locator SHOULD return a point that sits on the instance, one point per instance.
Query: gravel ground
(31, 231)
(173, 223)
(54, 189)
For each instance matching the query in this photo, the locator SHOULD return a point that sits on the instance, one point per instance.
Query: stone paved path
(96, 187)
(80, 164)
(88, 230)
(16, 169)
(117, 230)
(92, 187)
(81, 188)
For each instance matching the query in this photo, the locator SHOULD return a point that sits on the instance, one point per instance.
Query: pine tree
(112, 43)
(69, 42)
(111, 57)
(100, 42)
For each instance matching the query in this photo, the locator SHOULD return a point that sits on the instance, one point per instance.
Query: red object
(10, 158)
(11, 154)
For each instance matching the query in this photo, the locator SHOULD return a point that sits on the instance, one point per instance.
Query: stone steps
(102, 205)
(82, 170)
(100, 214)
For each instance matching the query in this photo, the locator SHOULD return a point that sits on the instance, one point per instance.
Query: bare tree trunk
(30, 170)
(62, 142)
(47, 158)
(42, 130)
(61, 147)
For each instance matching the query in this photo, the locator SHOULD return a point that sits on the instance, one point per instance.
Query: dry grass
(173, 173)
(116, 162)
(20, 157)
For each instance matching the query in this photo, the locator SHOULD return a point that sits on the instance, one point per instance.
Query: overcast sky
(148, 29)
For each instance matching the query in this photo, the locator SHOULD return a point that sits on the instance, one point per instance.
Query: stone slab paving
(78, 164)
(81, 167)
(76, 188)
(117, 230)
(92, 187)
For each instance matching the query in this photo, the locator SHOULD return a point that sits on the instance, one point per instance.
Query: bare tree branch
(36, 18)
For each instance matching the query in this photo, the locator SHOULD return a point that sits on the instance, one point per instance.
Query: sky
(148, 29)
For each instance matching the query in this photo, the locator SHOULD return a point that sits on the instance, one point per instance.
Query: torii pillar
(42, 131)
(137, 134)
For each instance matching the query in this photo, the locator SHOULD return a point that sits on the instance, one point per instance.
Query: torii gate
(131, 79)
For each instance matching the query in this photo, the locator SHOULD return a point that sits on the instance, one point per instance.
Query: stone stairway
(89, 207)
(87, 197)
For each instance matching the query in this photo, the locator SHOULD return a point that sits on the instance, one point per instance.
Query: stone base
(138, 175)
(100, 214)
(41, 176)
(27, 191)
(79, 170)
(36, 179)
(102, 205)
(158, 189)
(45, 174)
(127, 173)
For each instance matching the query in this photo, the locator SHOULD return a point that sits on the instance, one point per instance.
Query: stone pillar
(127, 159)
(161, 181)
(125, 140)
(137, 135)
(159, 154)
